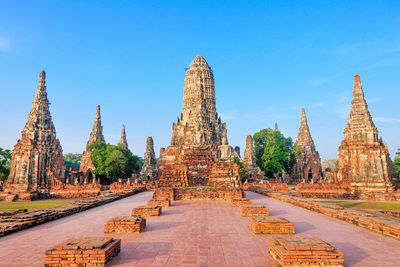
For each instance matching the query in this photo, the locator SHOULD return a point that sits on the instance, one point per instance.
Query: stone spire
(37, 157)
(97, 129)
(149, 169)
(360, 126)
(122, 141)
(364, 159)
(199, 123)
(95, 135)
(237, 149)
(249, 159)
(308, 163)
(276, 127)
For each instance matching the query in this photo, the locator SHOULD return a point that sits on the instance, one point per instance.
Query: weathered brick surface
(274, 186)
(386, 225)
(187, 193)
(162, 202)
(146, 211)
(10, 223)
(125, 224)
(88, 251)
(253, 210)
(270, 225)
(304, 251)
(238, 202)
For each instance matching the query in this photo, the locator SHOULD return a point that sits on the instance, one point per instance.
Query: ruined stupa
(364, 159)
(149, 170)
(122, 141)
(249, 159)
(199, 153)
(308, 163)
(96, 135)
(37, 158)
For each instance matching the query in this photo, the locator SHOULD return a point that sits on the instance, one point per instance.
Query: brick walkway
(197, 233)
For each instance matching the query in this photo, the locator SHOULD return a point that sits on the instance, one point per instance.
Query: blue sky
(269, 60)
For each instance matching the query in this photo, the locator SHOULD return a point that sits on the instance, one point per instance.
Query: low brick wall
(191, 193)
(253, 210)
(146, 211)
(274, 186)
(162, 202)
(238, 202)
(303, 251)
(13, 222)
(270, 225)
(125, 224)
(83, 252)
(386, 225)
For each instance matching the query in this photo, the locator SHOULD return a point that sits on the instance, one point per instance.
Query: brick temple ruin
(149, 170)
(87, 166)
(308, 163)
(122, 141)
(249, 161)
(37, 159)
(199, 153)
(364, 168)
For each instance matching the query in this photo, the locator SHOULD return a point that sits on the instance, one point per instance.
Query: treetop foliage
(5, 163)
(72, 160)
(274, 153)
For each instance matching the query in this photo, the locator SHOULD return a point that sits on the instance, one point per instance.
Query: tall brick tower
(249, 159)
(95, 135)
(308, 164)
(122, 141)
(149, 169)
(364, 159)
(37, 158)
(199, 153)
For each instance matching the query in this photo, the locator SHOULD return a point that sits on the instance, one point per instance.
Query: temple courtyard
(197, 233)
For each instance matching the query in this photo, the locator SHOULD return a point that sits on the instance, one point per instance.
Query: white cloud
(4, 44)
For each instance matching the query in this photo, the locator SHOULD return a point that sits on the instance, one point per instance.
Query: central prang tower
(199, 153)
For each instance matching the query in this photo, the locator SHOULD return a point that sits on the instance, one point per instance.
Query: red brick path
(197, 233)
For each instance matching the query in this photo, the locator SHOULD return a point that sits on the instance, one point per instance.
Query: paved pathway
(197, 233)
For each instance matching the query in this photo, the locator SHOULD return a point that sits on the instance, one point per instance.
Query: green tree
(396, 162)
(113, 162)
(5, 163)
(274, 153)
(72, 160)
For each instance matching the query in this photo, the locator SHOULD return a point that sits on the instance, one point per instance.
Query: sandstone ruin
(122, 141)
(96, 135)
(308, 164)
(149, 170)
(199, 153)
(249, 160)
(37, 158)
(364, 159)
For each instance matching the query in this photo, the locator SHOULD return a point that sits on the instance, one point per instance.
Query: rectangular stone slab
(270, 225)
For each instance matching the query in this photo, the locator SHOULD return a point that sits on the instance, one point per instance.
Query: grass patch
(34, 205)
(366, 205)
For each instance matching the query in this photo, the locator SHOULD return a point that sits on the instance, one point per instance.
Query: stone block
(162, 202)
(146, 211)
(238, 202)
(125, 224)
(270, 225)
(86, 251)
(304, 251)
(253, 210)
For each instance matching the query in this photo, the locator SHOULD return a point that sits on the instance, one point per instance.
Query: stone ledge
(270, 225)
(16, 222)
(238, 202)
(253, 210)
(87, 251)
(125, 224)
(385, 225)
(304, 251)
(146, 211)
(162, 202)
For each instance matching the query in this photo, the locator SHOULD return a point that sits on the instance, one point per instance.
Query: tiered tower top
(304, 136)
(360, 126)
(97, 129)
(122, 141)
